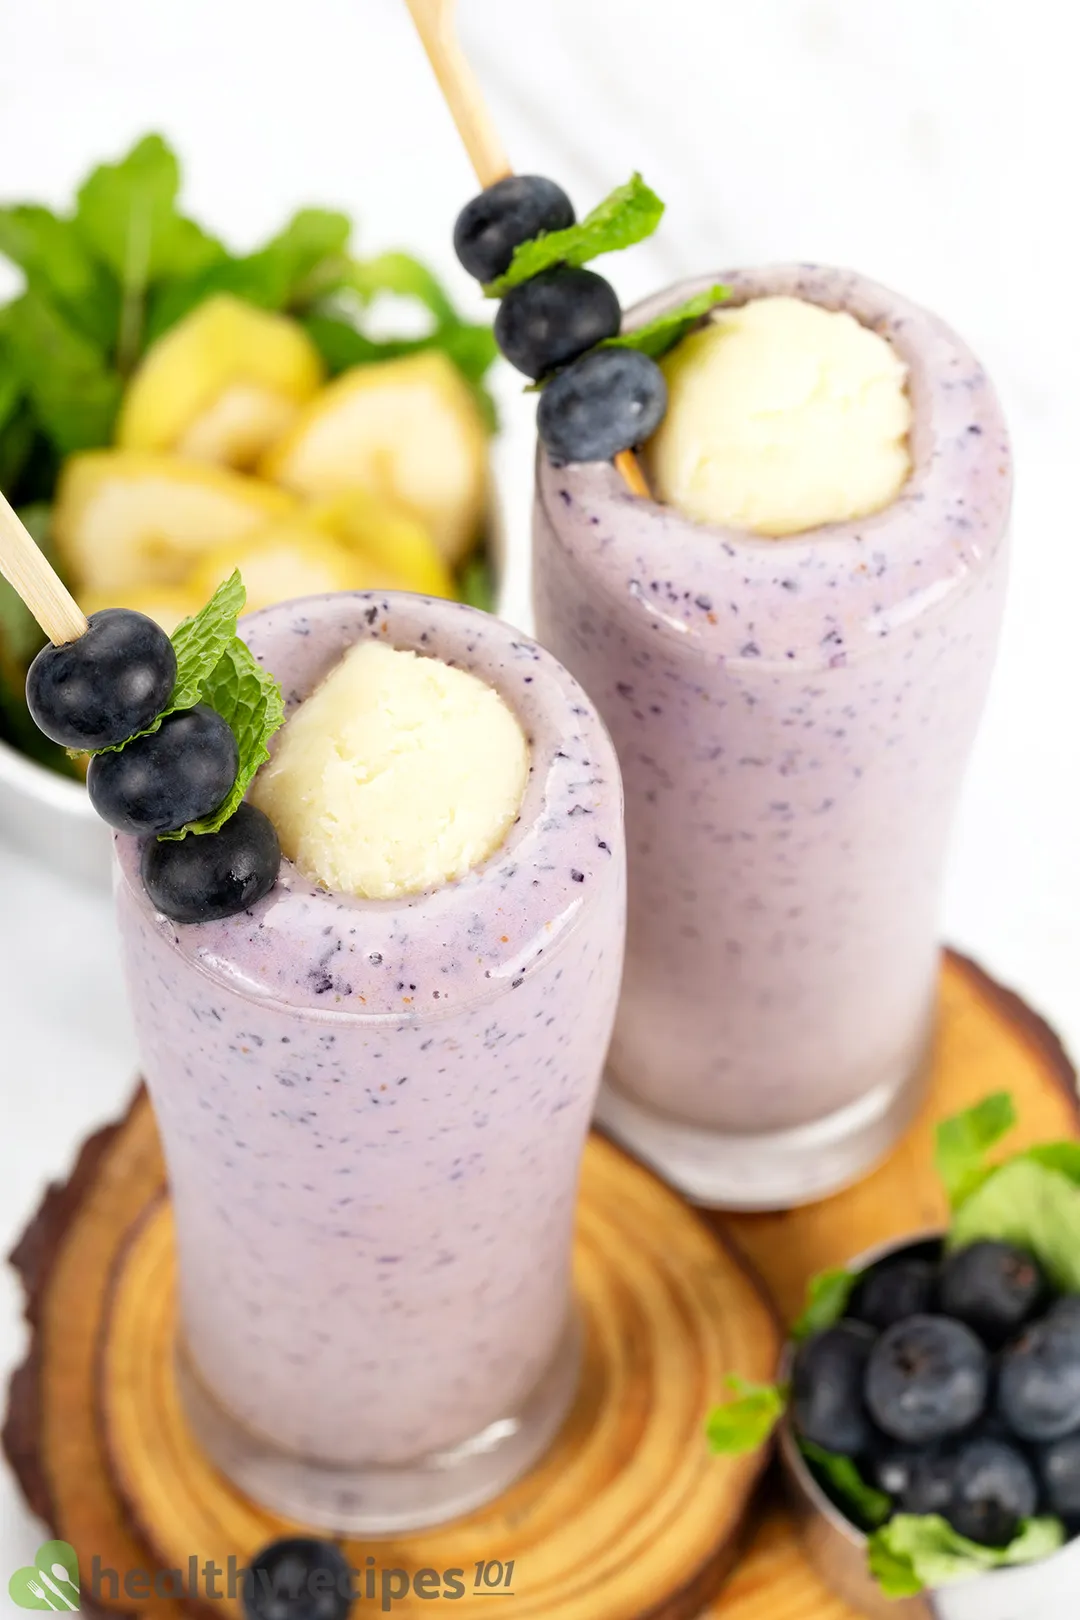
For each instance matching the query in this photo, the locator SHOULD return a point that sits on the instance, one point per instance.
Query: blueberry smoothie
(373, 1114)
(792, 717)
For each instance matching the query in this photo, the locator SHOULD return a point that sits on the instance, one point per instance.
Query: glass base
(381, 1500)
(772, 1171)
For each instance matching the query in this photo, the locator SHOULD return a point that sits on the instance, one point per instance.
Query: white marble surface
(931, 144)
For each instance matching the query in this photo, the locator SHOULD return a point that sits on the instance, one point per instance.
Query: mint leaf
(74, 394)
(827, 1298)
(405, 277)
(864, 1505)
(201, 642)
(745, 1423)
(630, 214)
(476, 583)
(1031, 1206)
(656, 337)
(249, 698)
(305, 257)
(916, 1552)
(57, 264)
(964, 1141)
(126, 213)
(1061, 1156)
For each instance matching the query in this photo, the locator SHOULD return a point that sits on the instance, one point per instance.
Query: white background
(933, 144)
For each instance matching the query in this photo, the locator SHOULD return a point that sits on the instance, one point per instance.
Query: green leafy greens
(964, 1141)
(627, 216)
(656, 337)
(215, 667)
(916, 1551)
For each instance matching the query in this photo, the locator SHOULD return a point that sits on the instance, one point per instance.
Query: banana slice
(285, 561)
(222, 385)
(389, 538)
(167, 605)
(125, 518)
(407, 430)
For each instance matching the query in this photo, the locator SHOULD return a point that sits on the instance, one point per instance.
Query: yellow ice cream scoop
(222, 385)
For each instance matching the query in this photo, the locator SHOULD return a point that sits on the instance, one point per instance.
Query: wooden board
(627, 1515)
(988, 1040)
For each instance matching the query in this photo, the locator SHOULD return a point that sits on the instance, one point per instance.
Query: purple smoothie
(793, 719)
(373, 1112)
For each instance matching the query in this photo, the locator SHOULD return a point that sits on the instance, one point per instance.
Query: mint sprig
(866, 1505)
(914, 1552)
(249, 698)
(628, 215)
(964, 1141)
(827, 1297)
(746, 1422)
(658, 336)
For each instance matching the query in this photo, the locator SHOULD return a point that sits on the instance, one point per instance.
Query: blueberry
(1059, 1471)
(891, 1466)
(178, 774)
(931, 1483)
(827, 1385)
(894, 1291)
(510, 212)
(207, 876)
(103, 688)
(547, 322)
(994, 1489)
(926, 1378)
(1039, 1380)
(1066, 1313)
(606, 402)
(298, 1579)
(993, 1287)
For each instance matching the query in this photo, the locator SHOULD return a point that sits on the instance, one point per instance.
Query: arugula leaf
(914, 1552)
(56, 263)
(964, 1141)
(865, 1505)
(1031, 1206)
(628, 215)
(74, 393)
(249, 698)
(656, 337)
(126, 213)
(827, 1298)
(747, 1422)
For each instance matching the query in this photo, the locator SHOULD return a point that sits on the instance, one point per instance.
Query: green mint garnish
(964, 1141)
(916, 1552)
(865, 1505)
(745, 1423)
(215, 667)
(630, 214)
(249, 698)
(662, 334)
(1035, 1208)
(827, 1297)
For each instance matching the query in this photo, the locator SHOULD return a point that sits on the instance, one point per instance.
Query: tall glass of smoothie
(373, 1110)
(793, 688)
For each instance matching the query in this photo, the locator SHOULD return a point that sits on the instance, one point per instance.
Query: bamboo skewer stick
(435, 23)
(28, 571)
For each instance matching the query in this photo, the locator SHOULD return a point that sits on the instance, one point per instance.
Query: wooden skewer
(27, 570)
(435, 23)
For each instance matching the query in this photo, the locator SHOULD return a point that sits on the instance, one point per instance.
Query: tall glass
(793, 719)
(373, 1115)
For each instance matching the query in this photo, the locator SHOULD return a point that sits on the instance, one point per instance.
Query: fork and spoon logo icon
(50, 1582)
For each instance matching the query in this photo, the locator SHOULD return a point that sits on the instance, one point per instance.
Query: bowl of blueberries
(931, 1437)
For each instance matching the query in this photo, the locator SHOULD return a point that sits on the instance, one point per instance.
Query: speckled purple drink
(792, 718)
(373, 1114)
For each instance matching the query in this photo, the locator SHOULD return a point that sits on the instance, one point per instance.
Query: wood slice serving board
(628, 1517)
